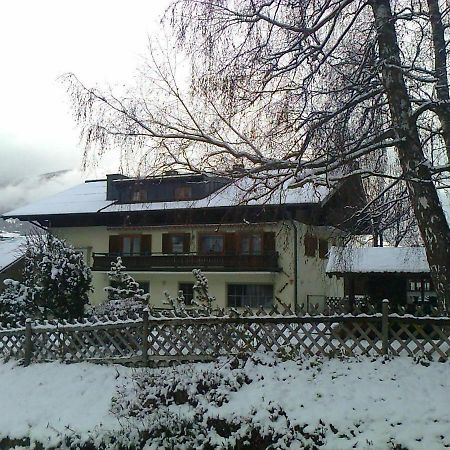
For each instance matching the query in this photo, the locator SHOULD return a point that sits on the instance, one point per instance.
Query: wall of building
(311, 280)
(314, 284)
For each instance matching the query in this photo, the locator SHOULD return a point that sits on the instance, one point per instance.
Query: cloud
(36, 187)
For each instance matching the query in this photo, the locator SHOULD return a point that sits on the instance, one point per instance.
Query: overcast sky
(101, 41)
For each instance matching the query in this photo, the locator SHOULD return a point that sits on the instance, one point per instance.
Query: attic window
(139, 195)
(183, 193)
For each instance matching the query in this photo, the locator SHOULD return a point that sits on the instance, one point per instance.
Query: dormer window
(139, 195)
(183, 193)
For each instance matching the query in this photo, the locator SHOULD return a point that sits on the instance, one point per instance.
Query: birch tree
(295, 92)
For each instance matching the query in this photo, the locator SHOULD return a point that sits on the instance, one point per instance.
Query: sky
(102, 42)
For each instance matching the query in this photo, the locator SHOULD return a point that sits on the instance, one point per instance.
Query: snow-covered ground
(335, 404)
(48, 401)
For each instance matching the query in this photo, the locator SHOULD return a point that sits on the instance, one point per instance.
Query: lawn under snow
(365, 404)
(47, 401)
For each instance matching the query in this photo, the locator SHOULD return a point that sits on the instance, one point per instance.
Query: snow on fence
(165, 337)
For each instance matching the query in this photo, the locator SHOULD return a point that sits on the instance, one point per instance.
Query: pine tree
(203, 301)
(122, 285)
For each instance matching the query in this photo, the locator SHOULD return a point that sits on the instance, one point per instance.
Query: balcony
(189, 261)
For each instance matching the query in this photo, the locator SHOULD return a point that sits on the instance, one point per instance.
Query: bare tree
(305, 90)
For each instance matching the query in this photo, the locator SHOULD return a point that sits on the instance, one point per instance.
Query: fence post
(145, 337)
(28, 344)
(385, 326)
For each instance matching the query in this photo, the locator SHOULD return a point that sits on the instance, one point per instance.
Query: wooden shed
(400, 274)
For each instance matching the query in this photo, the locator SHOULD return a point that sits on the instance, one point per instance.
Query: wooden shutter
(146, 244)
(166, 243)
(115, 244)
(310, 245)
(186, 243)
(323, 248)
(269, 243)
(230, 244)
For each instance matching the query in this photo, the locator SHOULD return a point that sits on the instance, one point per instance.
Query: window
(176, 243)
(419, 285)
(212, 244)
(323, 248)
(139, 195)
(310, 245)
(130, 245)
(183, 193)
(251, 244)
(188, 292)
(252, 295)
(415, 285)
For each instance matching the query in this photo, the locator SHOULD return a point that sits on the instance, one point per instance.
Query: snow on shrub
(56, 283)
(56, 277)
(122, 285)
(15, 304)
(125, 297)
(263, 401)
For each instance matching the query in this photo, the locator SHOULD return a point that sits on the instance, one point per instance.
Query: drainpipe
(295, 264)
(294, 227)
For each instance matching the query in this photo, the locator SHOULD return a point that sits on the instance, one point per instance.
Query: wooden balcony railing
(184, 262)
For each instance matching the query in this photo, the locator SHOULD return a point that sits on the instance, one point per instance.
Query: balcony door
(252, 244)
(130, 245)
(176, 243)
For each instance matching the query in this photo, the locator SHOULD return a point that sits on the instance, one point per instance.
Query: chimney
(112, 193)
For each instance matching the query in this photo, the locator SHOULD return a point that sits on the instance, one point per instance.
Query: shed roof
(12, 248)
(377, 260)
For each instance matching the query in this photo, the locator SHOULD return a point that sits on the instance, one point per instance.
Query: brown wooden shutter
(269, 243)
(186, 243)
(310, 245)
(166, 243)
(323, 248)
(146, 244)
(230, 244)
(115, 244)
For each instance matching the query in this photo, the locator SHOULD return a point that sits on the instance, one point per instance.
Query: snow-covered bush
(122, 285)
(193, 406)
(15, 305)
(203, 301)
(119, 308)
(124, 294)
(56, 277)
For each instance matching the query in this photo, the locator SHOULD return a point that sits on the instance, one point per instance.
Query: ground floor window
(252, 295)
(188, 292)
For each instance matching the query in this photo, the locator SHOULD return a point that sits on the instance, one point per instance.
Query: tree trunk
(428, 210)
(440, 67)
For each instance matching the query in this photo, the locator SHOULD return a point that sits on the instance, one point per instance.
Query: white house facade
(255, 250)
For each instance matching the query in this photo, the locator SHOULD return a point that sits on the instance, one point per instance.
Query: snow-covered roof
(90, 197)
(377, 260)
(238, 193)
(11, 249)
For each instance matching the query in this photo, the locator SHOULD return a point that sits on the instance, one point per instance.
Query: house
(12, 249)
(400, 274)
(255, 243)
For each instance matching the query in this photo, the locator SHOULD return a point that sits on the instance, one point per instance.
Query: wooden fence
(165, 337)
